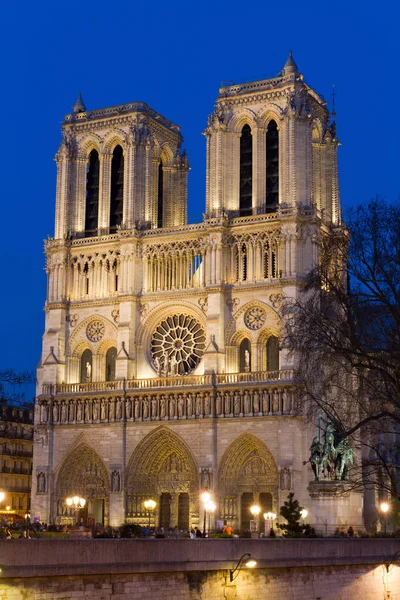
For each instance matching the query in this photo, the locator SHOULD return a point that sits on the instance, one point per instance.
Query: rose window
(254, 318)
(95, 331)
(177, 345)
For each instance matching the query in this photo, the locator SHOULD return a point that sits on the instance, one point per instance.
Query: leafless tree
(346, 328)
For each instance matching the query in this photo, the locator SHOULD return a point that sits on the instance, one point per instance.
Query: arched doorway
(162, 467)
(247, 475)
(83, 474)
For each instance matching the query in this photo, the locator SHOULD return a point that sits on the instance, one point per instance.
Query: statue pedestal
(335, 505)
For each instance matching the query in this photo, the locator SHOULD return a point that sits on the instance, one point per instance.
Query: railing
(10, 452)
(256, 377)
(130, 384)
(177, 381)
(15, 471)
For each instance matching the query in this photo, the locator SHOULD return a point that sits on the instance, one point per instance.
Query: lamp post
(269, 518)
(150, 506)
(27, 523)
(255, 511)
(205, 497)
(244, 561)
(303, 514)
(76, 503)
(209, 508)
(384, 509)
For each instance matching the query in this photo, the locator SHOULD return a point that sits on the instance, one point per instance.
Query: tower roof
(290, 65)
(79, 105)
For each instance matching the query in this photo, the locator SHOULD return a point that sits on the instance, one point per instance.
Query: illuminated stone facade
(161, 372)
(16, 451)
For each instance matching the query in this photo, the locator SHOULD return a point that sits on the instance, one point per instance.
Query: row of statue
(253, 402)
(332, 458)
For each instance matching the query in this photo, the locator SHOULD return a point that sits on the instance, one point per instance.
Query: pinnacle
(290, 65)
(79, 105)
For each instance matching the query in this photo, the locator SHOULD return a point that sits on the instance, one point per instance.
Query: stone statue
(181, 405)
(205, 479)
(162, 408)
(45, 413)
(154, 407)
(145, 408)
(87, 411)
(172, 408)
(246, 361)
(256, 402)
(198, 405)
(237, 404)
(166, 364)
(158, 366)
(79, 411)
(173, 365)
(64, 417)
(118, 412)
(116, 481)
(285, 479)
(128, 409)
(55, 412)
(316, 453)
(41, 483)
(189, 405)
(331, 460)
(265, 402)
(137, 408)
(95, 410)
(218, 404)
(227, 404)
(88, 368)
(103, 410)
(247, 403)
(207, 404)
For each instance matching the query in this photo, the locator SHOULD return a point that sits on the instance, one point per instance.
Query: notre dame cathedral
(161, 372)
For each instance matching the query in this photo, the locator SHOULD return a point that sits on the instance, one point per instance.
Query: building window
(86, 366)
(246, 172)
(117, 188)
(92, 194)
(272, 167)
(160, 201)
(273, 354)
(111, 357)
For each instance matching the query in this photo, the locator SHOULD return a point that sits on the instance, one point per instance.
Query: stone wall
(199, 569)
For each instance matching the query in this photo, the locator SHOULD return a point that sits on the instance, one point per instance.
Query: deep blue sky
(174, 56)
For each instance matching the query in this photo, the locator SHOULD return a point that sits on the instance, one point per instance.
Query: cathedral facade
(162, 372)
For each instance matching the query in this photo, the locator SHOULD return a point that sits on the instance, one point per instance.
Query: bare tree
(11, 383)
(346, 328)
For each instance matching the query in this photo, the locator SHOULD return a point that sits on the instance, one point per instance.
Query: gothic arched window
(272, 166)
(111, 357)
(86, 366)
(117, 188)
(245, 356)
(272, 354)
(92, 194)
(160, 198)
(246, 172)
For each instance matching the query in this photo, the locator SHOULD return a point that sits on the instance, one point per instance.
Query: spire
(79, 105)
(290, 65)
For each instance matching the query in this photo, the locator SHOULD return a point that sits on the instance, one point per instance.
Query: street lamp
(209, 508)
(205, 497)
(76, 503)
(384, 509)
(244, 561)
(27, 522)
(303, 514)
(255, 511)
(150, 506)
(269, 518)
